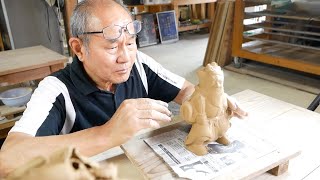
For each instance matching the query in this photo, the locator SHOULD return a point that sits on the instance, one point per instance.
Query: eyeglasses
(113, 32)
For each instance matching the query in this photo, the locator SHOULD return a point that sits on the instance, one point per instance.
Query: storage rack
(285, 38)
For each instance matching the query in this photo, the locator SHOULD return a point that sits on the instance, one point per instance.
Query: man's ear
(77, 47)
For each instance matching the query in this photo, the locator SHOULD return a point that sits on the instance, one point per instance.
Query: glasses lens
(115, 31)
(134, 27)
(112, 32)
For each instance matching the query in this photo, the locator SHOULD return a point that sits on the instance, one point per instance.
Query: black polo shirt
(68, 100)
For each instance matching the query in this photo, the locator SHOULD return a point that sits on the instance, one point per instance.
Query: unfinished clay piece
(207, 111)
(63, 164)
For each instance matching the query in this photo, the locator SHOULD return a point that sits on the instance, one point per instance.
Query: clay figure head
(211, 76)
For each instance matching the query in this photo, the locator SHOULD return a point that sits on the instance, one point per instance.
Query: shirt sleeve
(46, 110)
(161, 83)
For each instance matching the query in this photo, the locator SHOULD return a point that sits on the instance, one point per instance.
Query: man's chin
(122, 79)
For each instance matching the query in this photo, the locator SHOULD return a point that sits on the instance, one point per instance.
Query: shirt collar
(80, 78)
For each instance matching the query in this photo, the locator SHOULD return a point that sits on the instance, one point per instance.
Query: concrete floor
(185, 58)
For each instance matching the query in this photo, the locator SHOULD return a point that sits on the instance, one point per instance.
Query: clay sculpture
(66, 163)
(207, 111)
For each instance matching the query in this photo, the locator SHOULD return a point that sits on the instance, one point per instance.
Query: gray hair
(81, 16)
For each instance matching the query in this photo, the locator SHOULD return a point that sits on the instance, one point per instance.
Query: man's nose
(124, 55)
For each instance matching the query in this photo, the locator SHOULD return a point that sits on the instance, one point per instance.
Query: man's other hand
(236, 109)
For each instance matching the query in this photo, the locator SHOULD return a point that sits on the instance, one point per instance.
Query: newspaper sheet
(245, 145)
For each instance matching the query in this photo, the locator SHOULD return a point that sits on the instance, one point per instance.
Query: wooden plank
(261, 47)
(193, 27)
(142, 6)
(187, 2)
(28, 75)
(270, 73)
(281, 15)
(293, 24)
(300, 65)
(277, 128)
(280, 42)
(6, 110)
(4, 132)
(8, 123)
(194, 14)
(153, 167)
(238, 28)
(211, 40)
(11, 114)
(1, 43)
(24, 59)
(286, 35)
(257, 3)
(279, 170)
(68, 10)
(216, 33)
(56, 67)
(281, 29)
(211, 11)
(202, 11)
(224, 56)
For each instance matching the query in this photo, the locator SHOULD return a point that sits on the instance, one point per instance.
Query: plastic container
(16, 97)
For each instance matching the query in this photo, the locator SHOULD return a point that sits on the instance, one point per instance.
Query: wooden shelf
(143, 5)
(188, 2)
(175, 6)
(289, 44)
(286, 15)
(300, 58)
(193, 27)
(12, 114)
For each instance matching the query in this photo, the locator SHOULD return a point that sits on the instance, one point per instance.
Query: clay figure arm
(185, 92)
(190, 110)
(235, 107)
(132, 116)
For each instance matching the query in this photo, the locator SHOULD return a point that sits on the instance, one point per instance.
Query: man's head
(107, 61)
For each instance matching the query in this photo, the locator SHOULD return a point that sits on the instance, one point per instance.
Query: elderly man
(108, 93)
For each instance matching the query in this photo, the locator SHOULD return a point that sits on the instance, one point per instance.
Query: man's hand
(136, 114)
(236, 109)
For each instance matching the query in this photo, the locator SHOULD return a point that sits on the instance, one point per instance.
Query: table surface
(24, 59)
(284, 124)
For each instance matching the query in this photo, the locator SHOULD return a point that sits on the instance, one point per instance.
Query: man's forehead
(110, 16)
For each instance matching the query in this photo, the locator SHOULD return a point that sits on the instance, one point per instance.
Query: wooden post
(1, 43)
(69, 6)
(175, 7)
(203, 11)
(211, 11)
(238, 27)
(194, 11)
(224, 53)
(282, 168)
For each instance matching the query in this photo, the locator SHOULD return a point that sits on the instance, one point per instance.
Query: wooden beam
(202, 11)
(28, 75)
(238, 28)
(194, 11)
(193, 27)
(1, 43)
(289, 30)
(187, 2)
(68, 10)
(299, 65)
(224, 54)
(284, 43)
(216, 33)
(278, 15)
